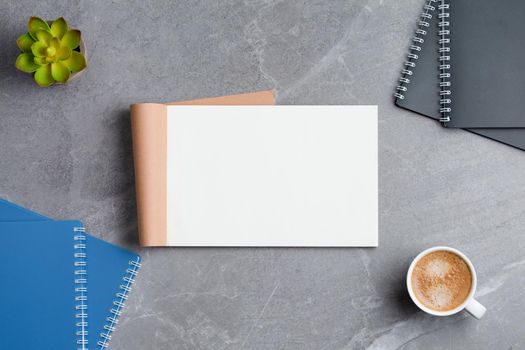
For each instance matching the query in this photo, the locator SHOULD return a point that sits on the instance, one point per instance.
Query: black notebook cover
(487, 56)
(419, 88)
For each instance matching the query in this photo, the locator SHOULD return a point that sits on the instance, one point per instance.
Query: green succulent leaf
(59, 27)
(71, 39)
(40, 61)
(39, 49)
(24, 42)
(55, 43)
(76, 62)
(35, 24)
(43, 76)
(44, 36)
(25, 62)
(59, 72)
(63, 53)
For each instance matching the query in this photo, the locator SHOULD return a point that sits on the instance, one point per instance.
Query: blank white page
(272, 176)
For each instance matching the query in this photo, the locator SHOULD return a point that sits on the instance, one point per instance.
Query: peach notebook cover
(234, 171)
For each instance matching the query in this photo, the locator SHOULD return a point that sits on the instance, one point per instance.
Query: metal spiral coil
(81, 306)
(417, 40)
(119, 303)
(444, 62)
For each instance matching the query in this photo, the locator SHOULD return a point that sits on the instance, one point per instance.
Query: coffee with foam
(441, 280)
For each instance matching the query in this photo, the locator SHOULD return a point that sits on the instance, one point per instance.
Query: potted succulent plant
(53, 53)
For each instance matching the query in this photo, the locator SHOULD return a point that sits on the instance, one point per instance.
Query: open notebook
(111, 271)
(256, 175)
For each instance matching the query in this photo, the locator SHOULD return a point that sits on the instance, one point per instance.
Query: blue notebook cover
(111, 273)
(43, 288)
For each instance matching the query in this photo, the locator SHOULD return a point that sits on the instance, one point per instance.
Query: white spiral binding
(81, 306)
(119, 303)
(413, 56)
(444, 62)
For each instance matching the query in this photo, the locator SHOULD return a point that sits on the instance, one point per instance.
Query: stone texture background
(66, 152)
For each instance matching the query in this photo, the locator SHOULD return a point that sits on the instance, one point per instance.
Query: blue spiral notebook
(111, 273)
(43, 285)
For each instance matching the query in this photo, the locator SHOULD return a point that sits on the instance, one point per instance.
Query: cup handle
(475, 308)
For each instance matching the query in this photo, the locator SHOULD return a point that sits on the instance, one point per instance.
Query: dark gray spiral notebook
(419, 87)
(486, 46)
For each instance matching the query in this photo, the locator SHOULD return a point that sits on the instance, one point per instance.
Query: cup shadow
(401, 299)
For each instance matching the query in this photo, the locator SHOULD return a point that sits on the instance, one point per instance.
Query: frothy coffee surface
(441, 280)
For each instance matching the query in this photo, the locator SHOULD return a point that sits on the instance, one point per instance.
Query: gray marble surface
(65, 151)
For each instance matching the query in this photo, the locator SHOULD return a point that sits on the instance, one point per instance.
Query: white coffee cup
(470, 304)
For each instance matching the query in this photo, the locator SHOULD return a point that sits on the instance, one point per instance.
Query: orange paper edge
(149, 133)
